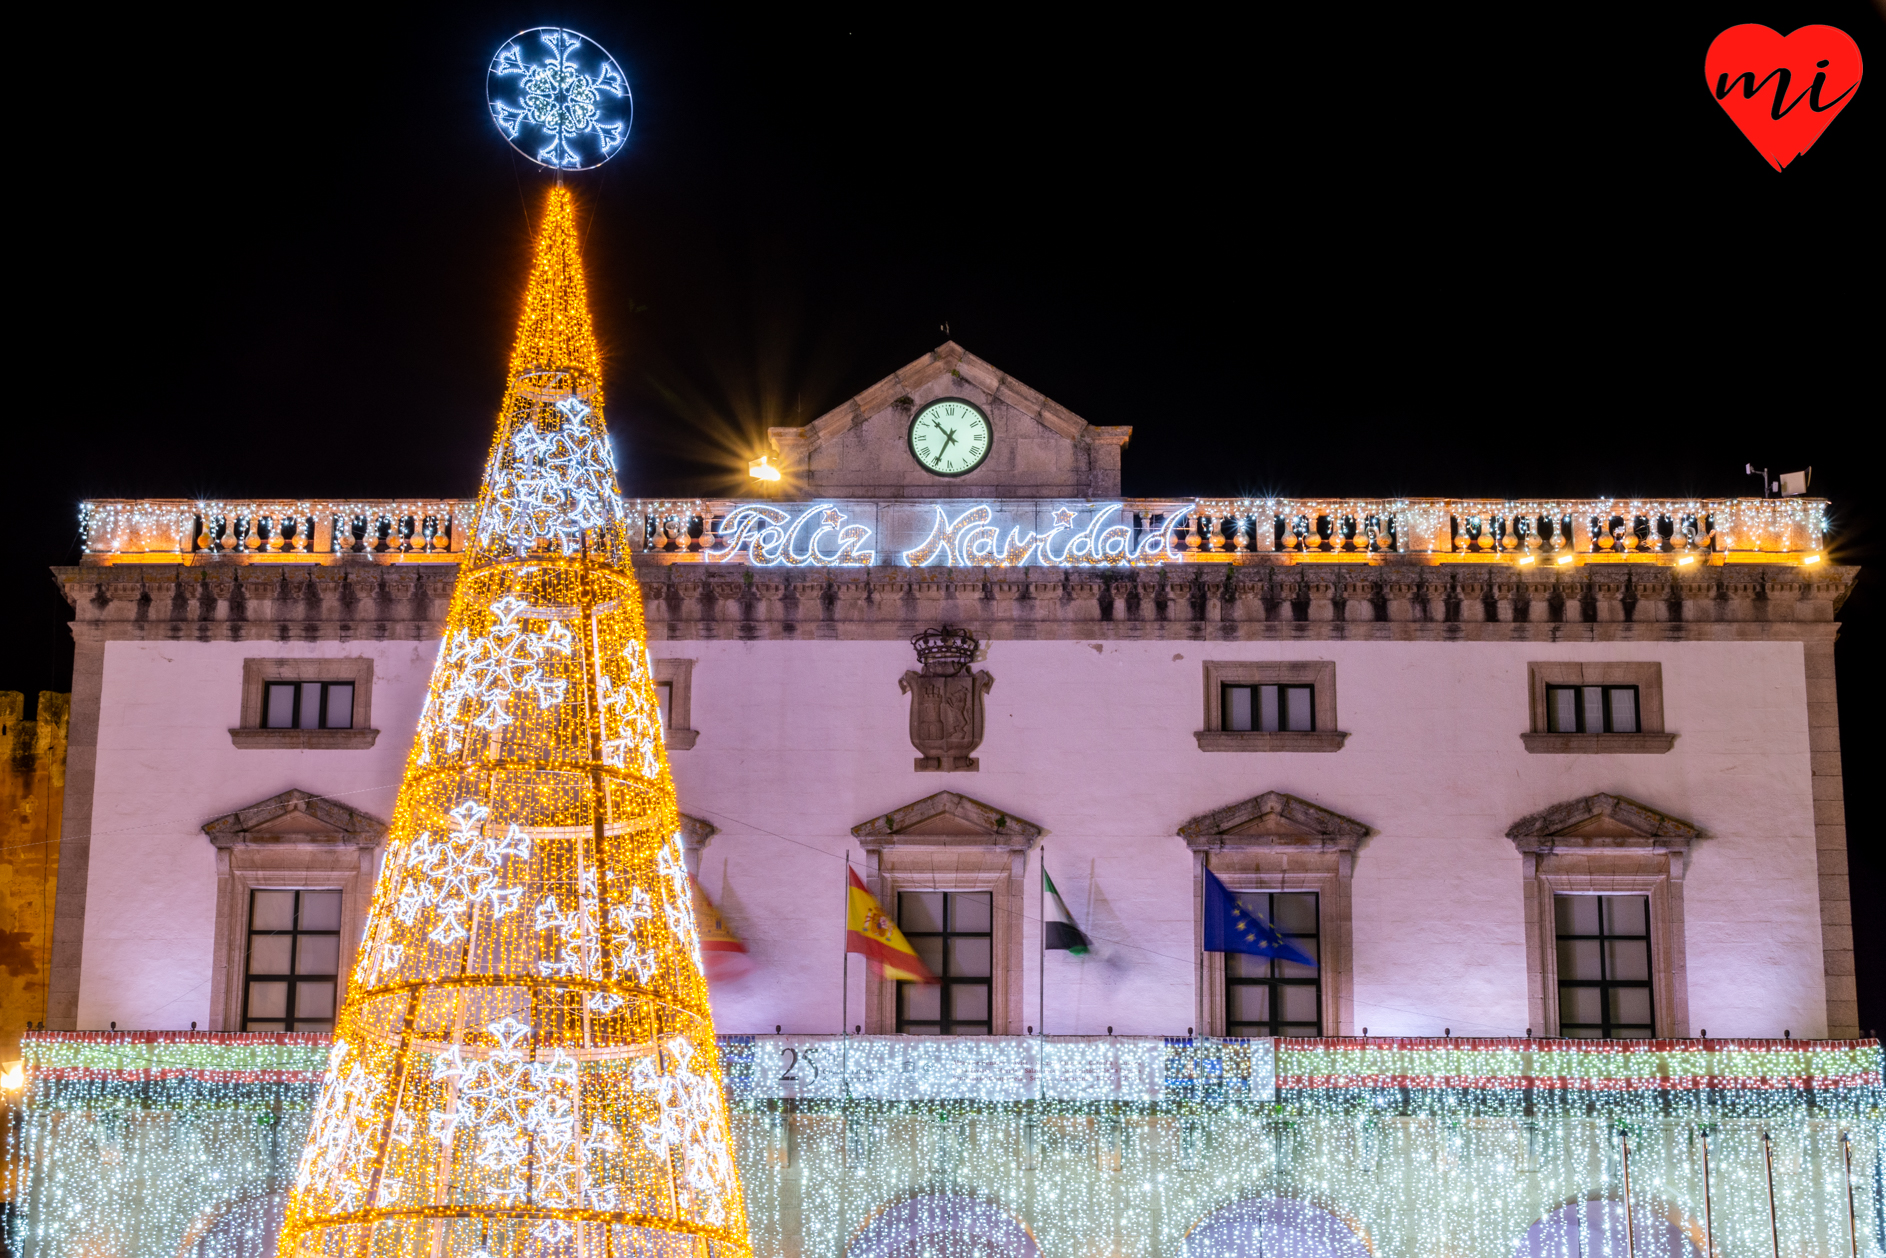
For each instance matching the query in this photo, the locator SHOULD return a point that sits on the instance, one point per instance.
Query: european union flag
(1233, 926)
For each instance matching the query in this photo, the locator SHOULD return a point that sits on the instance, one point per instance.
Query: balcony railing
(1000, 532)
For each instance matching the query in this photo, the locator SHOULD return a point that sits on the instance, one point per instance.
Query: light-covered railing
(999, 532)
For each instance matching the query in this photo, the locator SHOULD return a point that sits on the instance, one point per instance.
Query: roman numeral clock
(950, 436)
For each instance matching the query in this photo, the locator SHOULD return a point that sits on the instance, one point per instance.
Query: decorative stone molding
(257, 673)
(292, 840)
(695, 834)
(1605, 845)
(1277, 842)
(678, 733)
(1650, 737)
(1261, 597)
(1318, 673)
(950, 842)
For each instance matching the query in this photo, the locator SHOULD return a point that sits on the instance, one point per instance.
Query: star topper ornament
(559, 98)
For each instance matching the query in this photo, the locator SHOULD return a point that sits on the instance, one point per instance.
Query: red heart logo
(1781, 91)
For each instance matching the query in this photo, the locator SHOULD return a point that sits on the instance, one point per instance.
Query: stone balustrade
(1179, 530)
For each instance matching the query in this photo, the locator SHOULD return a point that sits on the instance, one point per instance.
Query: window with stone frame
(294, 955)
(1597, 707)
(953, 933)
(1268, 996)
(1270, 705)
(1604, 966)
(307, 704)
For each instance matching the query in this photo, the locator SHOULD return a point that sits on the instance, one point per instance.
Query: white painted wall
(799, 741)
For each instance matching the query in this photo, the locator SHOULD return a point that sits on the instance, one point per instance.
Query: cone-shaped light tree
(525, 1061)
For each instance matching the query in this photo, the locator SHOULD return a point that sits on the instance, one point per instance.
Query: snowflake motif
(693, 1120)
(679, 902)
(631, 723)
(522, 1116)
(557, 103)
(579, 939)
(478, 676)
(554, 487)
(452, 876)
(343, 1134)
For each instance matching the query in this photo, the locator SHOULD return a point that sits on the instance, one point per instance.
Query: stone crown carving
(1273, 820)
(947, 819)
(1601, 822)
(296, 818)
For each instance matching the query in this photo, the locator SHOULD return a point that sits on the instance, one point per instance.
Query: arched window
(1587, 1229)
(1275, 1225)
(943, 1225)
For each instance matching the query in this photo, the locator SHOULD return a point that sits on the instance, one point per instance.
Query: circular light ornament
(559, 98)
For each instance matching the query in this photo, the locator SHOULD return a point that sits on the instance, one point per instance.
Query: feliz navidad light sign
(931, 534)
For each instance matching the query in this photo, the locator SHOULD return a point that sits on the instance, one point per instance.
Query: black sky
(1338, 251)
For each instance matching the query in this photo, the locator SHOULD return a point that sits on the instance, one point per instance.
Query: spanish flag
(723, 955)
(869, 932)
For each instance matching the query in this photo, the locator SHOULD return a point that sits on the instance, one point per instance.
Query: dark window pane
(310, 714)
(1630, 1005)
(1593, 700)
(920, 910)
(1582, 1033)
(1302, 707)
(1581, 1004)
(1267, 708)
(664, 694)
(320, 910)
(1627, 959)
(313, 1026)
(1296, 969)
(1237, 714)
(923, 1001)
(1579, 959)
(1292, 912)
(318, 954)
(969, 958)
(921, 1029)
(1623, 711)
(1304, 1031)
(1562, 710)
(268, 1000)
(970, 911)
(268, 1026)
(273, 910)
(1577, 914)
(1626, 914)
(1244, 965)
(269, 954)
(969, 1002)
(929, 951)
(339, 713)
(278, 709)
(1296, 1003)
(1249, 1002)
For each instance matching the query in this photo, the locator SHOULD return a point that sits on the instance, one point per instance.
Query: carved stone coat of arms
(945, 701)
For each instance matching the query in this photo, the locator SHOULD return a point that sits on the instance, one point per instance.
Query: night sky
(1346, 253)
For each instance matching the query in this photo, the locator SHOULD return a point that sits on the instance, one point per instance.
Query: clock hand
(949, 435)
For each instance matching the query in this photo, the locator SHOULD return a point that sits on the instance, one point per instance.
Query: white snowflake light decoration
(559, 98)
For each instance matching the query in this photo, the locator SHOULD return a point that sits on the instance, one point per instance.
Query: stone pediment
(1039, 449)
(1273, 820)
(947, 819)
(1599, 822)
(296, 819)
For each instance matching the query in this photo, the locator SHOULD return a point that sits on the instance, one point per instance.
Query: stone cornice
(1601, 822)
(1258, 599)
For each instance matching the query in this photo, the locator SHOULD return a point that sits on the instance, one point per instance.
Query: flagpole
(844, 985)
(1041, 946)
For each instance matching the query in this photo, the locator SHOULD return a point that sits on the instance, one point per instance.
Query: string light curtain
(525, 1062)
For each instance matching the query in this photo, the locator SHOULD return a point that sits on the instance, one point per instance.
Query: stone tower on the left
(525, 1063)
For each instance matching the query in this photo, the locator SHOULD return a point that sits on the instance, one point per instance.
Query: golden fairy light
(525, 1062)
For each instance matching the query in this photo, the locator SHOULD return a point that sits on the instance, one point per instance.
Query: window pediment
(1273, 819)
(1601, 822)
(297, 818)
(947, 819)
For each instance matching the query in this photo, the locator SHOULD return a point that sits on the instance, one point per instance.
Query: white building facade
(1514, 768)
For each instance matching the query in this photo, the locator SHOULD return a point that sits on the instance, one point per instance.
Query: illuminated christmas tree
(525, 1063)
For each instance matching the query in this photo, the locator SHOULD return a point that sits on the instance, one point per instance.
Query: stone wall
(32, 795)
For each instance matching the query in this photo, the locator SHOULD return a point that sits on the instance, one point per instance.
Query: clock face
(950, 436)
